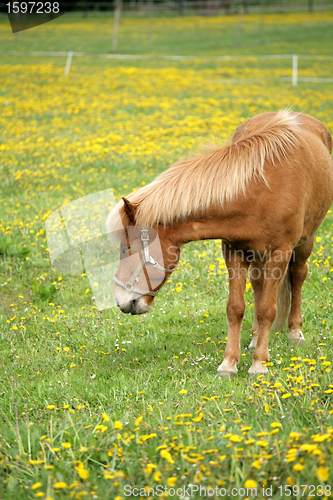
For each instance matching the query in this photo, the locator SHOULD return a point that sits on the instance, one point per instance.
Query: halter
(146, 258)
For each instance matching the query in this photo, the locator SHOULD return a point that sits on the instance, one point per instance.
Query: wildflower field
(94, 403)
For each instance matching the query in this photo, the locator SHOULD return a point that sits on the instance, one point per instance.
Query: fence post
(68, 63)
(117, 14)
(295, 70)
(240, 24)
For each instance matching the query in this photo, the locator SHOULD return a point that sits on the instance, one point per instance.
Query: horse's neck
(180, 234)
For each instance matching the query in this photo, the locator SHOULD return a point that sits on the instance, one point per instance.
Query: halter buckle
(128, 286)
(144, 235)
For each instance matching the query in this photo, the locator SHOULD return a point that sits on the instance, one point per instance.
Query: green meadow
(94, 404)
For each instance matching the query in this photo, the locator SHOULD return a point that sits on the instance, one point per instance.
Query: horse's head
(147, 257)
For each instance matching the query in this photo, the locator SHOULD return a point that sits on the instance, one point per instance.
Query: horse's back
(306, 122)
(299, 188)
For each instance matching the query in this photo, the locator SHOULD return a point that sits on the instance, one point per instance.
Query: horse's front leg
(266, 307)
(237, 268)
(257, 282)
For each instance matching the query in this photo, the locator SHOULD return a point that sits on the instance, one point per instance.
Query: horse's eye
(126, 250)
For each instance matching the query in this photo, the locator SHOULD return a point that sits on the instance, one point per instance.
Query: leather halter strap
(146, 258)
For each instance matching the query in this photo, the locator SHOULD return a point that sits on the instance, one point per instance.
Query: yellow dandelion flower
(118, 425)
(235, 438)
(250, 483)
(83, 473)
(138, 420)
(37, 485)
(157, 477)
(323, 473)
(105, 417)
(308, 447)
(298, 467)
(262, 443)
(320, 438)
(149, 468)
(66, 445)
(295, 435)
(167, 456)
(60, 485)
(171, 481)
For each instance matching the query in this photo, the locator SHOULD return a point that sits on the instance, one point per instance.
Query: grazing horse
(264, 195)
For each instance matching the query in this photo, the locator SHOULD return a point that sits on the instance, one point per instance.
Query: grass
(260, 34)
(92, 401)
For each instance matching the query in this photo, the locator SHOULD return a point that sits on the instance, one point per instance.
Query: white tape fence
(294, 58)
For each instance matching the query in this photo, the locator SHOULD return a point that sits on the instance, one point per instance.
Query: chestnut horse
(264, 195)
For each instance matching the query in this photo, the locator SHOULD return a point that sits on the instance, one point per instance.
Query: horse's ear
(129, 209)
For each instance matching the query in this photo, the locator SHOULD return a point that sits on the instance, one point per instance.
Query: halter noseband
(146, 258)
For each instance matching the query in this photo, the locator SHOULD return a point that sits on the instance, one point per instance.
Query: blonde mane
(192, 185)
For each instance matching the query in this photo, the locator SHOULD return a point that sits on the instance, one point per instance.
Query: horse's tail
(283, 303)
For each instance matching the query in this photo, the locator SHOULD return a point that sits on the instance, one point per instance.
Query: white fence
(294, 58)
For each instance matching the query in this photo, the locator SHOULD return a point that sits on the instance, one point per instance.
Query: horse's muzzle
(135, 306)
(127, 307)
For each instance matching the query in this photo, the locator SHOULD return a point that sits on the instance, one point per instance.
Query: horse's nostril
(127, 307)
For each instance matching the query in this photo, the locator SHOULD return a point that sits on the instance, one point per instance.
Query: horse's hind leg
(274, 271)
(298, 271)
(237, 269)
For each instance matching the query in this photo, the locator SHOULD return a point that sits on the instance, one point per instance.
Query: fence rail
(207, 7)
(294, 58)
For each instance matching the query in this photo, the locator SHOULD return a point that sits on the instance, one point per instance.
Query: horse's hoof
(253, 343)
(296, 338)
(226, 370)
(257, 368)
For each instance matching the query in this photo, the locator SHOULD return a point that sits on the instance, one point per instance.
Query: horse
(264, 194)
